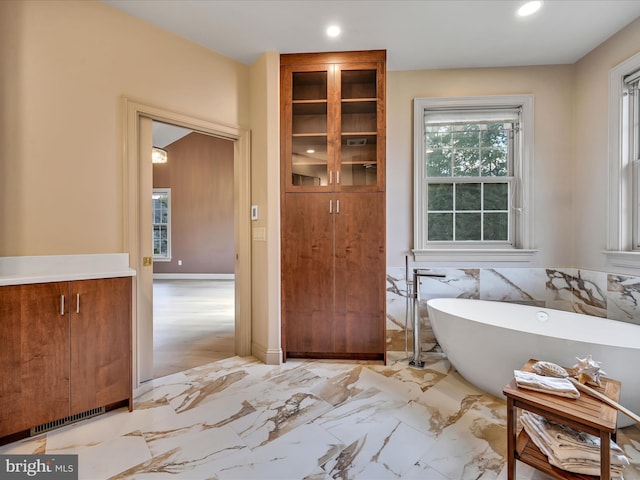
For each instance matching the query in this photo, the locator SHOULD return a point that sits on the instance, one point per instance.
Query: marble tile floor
(193, 323)
(238, 418)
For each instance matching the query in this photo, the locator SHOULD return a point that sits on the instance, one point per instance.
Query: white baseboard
(194, 276)
(271, 356)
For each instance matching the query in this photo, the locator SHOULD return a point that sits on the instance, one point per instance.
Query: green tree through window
(468, 170)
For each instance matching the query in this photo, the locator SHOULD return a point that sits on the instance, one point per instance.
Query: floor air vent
(45, 427)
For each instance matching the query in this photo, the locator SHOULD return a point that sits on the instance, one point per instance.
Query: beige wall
(265, 191)
(590, 172)
(200, 175)
(65, 66)
(552, 87)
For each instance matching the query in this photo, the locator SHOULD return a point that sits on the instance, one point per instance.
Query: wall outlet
(179, 263)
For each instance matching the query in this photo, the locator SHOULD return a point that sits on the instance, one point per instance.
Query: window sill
(621, 258)
(473, 255)
(161, 259)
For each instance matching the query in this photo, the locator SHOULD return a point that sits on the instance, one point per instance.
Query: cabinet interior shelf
(358, 134)
(363, 99)
(354, 162)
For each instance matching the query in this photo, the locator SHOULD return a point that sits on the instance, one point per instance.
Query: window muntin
(487, 143)
(161, 221)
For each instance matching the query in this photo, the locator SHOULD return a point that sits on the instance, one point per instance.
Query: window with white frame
(161, 212)
(472, 174)
(623, 244)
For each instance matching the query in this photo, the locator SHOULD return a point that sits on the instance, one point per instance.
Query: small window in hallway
(161, 212)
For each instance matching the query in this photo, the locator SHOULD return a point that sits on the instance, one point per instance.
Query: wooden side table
(586, 414)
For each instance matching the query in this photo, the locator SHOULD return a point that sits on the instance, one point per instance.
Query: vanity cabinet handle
(77, 303)
(330, 206)
(61, 304)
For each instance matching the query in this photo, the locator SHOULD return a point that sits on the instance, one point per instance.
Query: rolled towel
(540, 383)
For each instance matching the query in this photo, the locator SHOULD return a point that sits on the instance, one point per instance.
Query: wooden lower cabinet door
(34, 355)
(360, 283)
(100, 342)
(307, 274)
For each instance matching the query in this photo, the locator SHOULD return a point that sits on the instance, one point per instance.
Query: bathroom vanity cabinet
(333, 204)
(66, 349)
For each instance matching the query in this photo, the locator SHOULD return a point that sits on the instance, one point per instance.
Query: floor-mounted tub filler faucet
(414, 311)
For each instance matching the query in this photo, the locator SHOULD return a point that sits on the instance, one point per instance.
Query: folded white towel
(540, 383)
(570, 449)
(568, 442)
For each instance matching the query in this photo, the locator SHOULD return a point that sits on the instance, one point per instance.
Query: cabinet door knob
(61, 304)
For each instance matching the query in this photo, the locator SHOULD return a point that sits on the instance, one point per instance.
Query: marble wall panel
(516, 285)
(623, 298)
(580, 291)
(569, 289)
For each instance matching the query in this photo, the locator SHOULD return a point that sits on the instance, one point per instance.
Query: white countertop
(57, 268)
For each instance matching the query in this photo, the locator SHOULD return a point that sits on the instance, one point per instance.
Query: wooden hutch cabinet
(333, 204)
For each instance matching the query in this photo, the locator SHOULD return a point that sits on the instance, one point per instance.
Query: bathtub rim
(628, 332)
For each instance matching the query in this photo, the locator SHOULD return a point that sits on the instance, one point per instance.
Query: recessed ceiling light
(529, 8)
(333, 31)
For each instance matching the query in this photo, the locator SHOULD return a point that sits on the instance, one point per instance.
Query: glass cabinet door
(333, 124)
(309, 133)
(359, 126)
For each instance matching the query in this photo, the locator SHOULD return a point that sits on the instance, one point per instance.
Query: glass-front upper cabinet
(309, 128)
(333, 121)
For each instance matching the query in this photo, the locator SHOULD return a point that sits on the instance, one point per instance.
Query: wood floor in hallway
(193, 323)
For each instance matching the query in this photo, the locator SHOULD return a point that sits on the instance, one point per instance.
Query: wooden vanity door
(100, 342)
(34, 357)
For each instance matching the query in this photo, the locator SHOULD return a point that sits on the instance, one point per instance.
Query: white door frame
(137, 186)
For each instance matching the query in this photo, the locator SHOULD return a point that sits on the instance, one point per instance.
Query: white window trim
(162, 258)
(619, 251)
(523, 240)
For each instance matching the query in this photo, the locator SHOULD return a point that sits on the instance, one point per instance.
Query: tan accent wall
(200, 175)
(65, 66)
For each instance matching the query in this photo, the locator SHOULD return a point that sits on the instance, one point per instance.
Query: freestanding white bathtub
(485, 341)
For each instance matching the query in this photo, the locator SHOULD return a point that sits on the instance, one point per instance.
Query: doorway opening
(193, 249)
(138, 241)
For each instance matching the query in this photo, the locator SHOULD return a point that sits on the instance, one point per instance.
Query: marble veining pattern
(577, 290)
(316, 420)
(623, 298)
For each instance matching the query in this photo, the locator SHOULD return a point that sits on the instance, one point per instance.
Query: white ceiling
(165, 134)
(418, 34)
